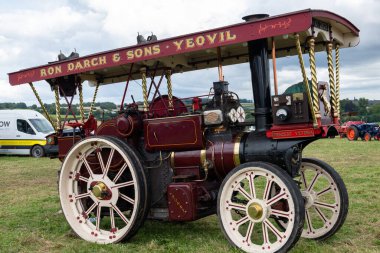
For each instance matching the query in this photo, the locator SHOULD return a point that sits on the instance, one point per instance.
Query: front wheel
(37, 151)
(326, 199)
(103, 190)
(246, 208)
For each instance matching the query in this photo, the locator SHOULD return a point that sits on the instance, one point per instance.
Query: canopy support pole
(93, 99)
(144, 88)
(274, 67)
(41, 104)
(330, 65)
(168, 74)
(305, 81)
(80, 91)
(57, 107)
(314, 81)
(337, 81)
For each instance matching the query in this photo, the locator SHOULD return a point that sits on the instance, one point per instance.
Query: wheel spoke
(121, 215)
(273, 228)
(100, 158)
(279, 213)
(313, 181)
(120, 172)
(98, 217)
(82, 178)
(324, 191)
(249, 232)
(109, 162)
(252, 186)
(125, 184)
(83, 195)
(265, 233)
(128, 199)
(320, 214)
(89, 170)
(112, 218)
(276, 198)
(89, 210)
(308, 221)
(325, 205)
(267, 189)
(244, 193)
(237, 207)
(303, 179)
(241, 221)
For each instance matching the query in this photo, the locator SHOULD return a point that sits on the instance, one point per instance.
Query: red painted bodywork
(174, 133)
(182, 201)
(293, 131)
(65, 144)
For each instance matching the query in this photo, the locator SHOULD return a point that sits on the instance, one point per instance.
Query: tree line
(356, 109)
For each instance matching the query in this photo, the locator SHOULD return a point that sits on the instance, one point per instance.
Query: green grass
(30, 220)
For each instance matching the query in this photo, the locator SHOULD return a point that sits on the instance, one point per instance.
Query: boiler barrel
(224, 154)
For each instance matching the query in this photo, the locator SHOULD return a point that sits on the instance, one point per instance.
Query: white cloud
(34, 35)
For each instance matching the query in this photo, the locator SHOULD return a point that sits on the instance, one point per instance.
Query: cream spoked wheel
(326, 199)
(246, 208)
(103, 190)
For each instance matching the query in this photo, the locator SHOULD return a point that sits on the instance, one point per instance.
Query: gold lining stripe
(237, 150)
(172, 159)
(202, 157)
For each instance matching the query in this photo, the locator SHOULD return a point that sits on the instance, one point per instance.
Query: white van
(24, 132)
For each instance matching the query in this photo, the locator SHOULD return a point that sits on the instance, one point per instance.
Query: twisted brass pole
(144, 88)
(331, 79)
(168, 74)
(314, 81)
(57, 107)
(80, 90)
(305, 81)
(93, 99)
(41, 104)
(337, 81)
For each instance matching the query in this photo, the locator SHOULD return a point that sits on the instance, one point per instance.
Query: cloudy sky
(33, 32)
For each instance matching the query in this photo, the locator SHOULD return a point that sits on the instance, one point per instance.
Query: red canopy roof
(198, 50)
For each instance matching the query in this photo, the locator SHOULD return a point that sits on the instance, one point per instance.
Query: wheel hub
(255, 211)
(100, 190)
(309, 198)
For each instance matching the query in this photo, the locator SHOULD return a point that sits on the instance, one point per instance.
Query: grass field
(30, 220)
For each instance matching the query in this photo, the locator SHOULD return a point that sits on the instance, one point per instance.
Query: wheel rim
(247, 210)
(367, 137)
(322, 200)
(92, 197)
(350, 134)
(37, 152)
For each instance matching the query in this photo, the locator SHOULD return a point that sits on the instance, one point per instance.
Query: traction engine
(180, 160)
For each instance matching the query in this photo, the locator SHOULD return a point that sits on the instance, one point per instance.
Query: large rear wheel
(246, 209)
(103, 190)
